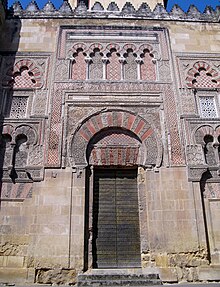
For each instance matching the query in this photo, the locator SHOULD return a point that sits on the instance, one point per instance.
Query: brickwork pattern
(113, 68)
(130, 67)
(25, 74)
(96, 66)
(202, 75)
(171, 114)
(53, 156)
(79, 67)
(148, 69)
(132, 85)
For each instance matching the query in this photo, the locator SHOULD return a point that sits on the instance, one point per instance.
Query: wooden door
(116, 233)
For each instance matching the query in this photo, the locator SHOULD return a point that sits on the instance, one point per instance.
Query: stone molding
(128, 11)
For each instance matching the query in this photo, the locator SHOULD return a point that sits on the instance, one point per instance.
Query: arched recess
(202, 75)
(24, 74)
(117, 123)
(114, 142)
(29, 132)
(114, 147)
(205, 136)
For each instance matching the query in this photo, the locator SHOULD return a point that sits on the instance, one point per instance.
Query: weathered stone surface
(56, 276)
(73, 82)
(161, 260)
(12, 275)
(121, 277)
(168, 274)
(209, 273)
(15, 261)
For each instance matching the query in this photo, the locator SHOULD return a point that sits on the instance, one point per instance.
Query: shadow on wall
(9, 43)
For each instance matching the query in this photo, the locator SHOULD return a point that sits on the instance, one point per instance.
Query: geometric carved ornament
(25, 74)
(113, 62)
(202, 75)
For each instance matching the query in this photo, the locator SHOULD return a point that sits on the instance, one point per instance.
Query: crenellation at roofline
(112, 11)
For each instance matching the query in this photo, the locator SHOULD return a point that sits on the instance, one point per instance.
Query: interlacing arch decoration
(148, 63)
(113, 62)
(94, 46)
(113, 66)
(76, 47)
(25, 74)
(79, 65)
(129, 46)
(14, 132)
(29, 132)
(96, 63)
(15, 145)
(202, 75)
(115, 137)
(114, 46)
(209, 138)
(7, 129)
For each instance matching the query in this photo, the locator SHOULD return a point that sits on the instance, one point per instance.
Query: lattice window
(19, 107)
(148, 68)
(96, 66)
(113, 68)
(130, 66)
(79, 67)
(208, 107)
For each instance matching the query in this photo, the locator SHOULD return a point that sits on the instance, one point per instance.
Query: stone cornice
(112, 11)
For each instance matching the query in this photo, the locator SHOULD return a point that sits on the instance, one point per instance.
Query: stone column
(71, 61)
(138, 61)
(88, 60)
(122, 61)
(105, 61)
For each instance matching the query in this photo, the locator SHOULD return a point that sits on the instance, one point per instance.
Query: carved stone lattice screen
(207, 107)
(19, 107)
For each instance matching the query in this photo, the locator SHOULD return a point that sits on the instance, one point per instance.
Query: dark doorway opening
(116, 231)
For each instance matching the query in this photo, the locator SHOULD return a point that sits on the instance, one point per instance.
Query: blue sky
(184, 4)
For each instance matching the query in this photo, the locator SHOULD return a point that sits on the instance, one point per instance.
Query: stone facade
(109, 86)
